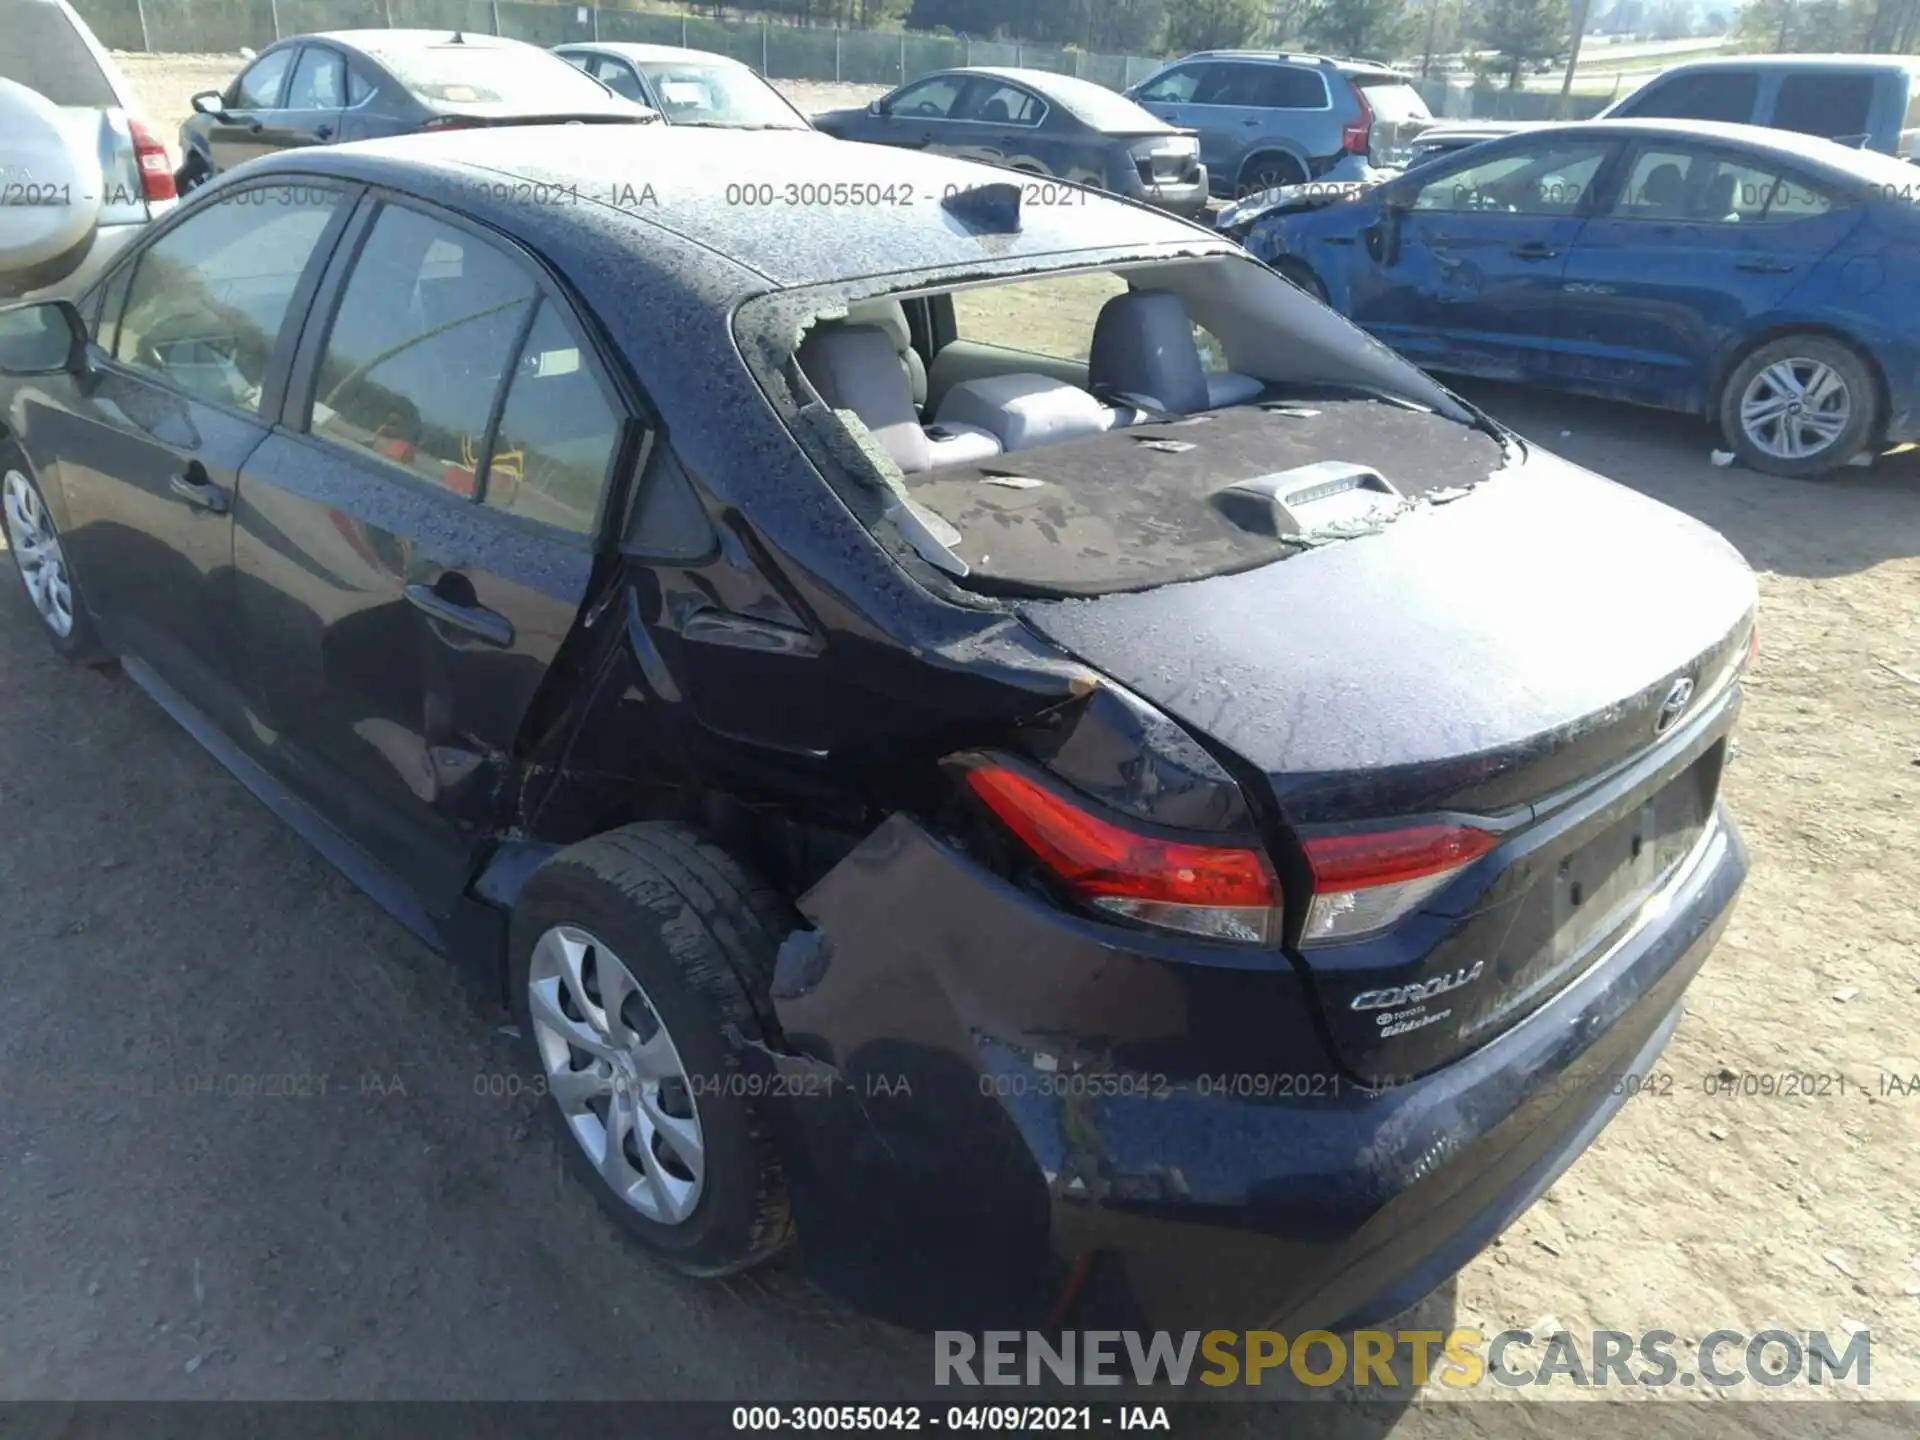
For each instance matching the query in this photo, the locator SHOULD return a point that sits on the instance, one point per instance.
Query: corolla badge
(1678, 698)
(1395, 996)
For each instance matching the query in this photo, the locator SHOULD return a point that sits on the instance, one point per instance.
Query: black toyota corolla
(1006, 741)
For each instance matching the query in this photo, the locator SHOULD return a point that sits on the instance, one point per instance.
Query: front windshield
(703, 93)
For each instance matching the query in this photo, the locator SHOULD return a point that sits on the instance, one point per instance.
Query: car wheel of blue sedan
(1799, 405)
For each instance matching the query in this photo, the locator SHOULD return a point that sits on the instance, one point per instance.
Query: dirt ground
(365, 1242)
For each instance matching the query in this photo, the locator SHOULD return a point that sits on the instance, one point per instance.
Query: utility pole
(1573, 57)
(1433, 29)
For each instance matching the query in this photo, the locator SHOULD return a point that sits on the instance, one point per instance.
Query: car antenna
(458, 38)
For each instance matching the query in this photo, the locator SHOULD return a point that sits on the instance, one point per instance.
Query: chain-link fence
(780, 52)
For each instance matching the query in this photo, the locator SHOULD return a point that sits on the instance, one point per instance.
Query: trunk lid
(1493, 656)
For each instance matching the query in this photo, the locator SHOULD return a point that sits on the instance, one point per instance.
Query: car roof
(1345, 64)
(377, 42)
(634, 50)
(722, 190)
(1788, 144)
(1909, 63)
(1068, 92)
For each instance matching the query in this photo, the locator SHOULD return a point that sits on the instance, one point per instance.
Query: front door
(1465, 266)
(190, 361)
(239, 132)
(1696, 245)
(316, 96)
(412, 548)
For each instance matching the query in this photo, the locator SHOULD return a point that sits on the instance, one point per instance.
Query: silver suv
(46, 47)
(1268, 119)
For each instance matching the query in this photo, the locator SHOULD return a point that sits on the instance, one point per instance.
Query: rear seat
(1144, 355)
(855, 367)
(1143, 362)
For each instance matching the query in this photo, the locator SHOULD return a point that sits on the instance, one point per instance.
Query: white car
(47, 48)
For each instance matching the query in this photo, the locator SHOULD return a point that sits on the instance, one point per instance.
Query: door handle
(1535, 250)
(477, 620)
(1766, 267)
(254, 127)
(323, 132)
(1250, 124)
(198, 490)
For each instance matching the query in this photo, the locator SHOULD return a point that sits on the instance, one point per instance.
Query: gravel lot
(369, 1242)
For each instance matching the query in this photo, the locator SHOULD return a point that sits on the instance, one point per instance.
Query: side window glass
(319, 81)
(1748, 195)
(359, 84)
(668, 521)
(419, 346)
(1175, 87)
(1550, 180)
(1728, 95)
(1001, 105)
(557, 433)
(1228, 85)
(259, 87)
(1656, 187)
(207, 299)
(619, 78)
(1830, 104)
(1286, 87)
(104, 319)
(929, 100)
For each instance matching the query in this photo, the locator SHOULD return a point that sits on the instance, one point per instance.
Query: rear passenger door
(239, 132)
(994, 121)
(413, 546)
(1697, 247)
(316, 96)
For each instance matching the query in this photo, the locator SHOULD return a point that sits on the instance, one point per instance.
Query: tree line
(1504, 37)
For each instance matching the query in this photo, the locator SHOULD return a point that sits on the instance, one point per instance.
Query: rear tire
(686, 937)
(1265, 172)
(1800, 405)
(41, 560)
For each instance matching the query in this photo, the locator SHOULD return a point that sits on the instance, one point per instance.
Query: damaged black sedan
(1005, 740)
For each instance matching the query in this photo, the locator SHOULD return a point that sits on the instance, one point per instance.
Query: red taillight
(156, 171)
(1363, 881)
(1221, 891)
(1355, 134)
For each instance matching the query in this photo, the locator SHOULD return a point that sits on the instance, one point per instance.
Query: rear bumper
(947, 1173)
(1186, 199)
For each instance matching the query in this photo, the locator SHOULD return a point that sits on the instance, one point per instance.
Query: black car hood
(1472, 655)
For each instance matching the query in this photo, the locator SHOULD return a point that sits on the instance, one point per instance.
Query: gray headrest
(855, 367)
(883, 314)
(891, 316)
(1143, 346)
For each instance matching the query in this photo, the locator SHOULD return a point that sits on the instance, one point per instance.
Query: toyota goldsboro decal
(1396, 1021)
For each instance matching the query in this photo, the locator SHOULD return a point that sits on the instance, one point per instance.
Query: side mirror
(210, 102)
(877, 108)
(47, 338)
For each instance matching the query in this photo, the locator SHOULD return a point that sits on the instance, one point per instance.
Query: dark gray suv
(1268, 119)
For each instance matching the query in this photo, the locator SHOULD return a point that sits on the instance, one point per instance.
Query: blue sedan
(1765, 280)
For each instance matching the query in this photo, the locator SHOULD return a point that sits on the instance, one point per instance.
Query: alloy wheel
(1795, 408)
(616, 1075)
(36, 549)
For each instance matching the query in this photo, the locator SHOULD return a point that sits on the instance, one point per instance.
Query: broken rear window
(1114, 429)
